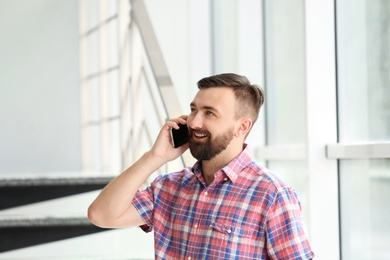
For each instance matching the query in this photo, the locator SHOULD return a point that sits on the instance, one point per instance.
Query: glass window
(112, 43)
(363, 33)
(93, 13)
(285, 90)
(285, 72)
(114, 147)
(365, 210)
(92, 140)
(93, 53)
(93, 100)
(113, 8)
(113, 94)
(363, 61)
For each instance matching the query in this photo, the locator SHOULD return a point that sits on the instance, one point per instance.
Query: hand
(163, 147)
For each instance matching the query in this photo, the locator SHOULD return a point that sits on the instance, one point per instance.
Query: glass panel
(93, 101)
(285, 71)
(93, 135)
(112, 8)
(363, 34)
(363, 44)
(93, 13)
(365, 209)
(93, 53)
(115, 149)
(113, 94)
(112, 43)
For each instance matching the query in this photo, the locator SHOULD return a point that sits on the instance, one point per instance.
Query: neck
(210, 167)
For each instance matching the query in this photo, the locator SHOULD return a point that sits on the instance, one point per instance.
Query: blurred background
(86, 85)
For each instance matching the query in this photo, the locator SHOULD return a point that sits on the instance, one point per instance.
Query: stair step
(22, 191)
(63, 200)
(21, 221)
(18, 232)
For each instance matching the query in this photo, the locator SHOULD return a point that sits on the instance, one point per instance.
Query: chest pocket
(232, 231)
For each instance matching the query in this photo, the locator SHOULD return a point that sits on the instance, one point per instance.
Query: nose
(195, 121)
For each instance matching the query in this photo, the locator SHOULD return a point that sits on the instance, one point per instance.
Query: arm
(286, 238)
(113, 208)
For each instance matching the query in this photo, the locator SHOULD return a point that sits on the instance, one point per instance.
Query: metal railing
(156, 63)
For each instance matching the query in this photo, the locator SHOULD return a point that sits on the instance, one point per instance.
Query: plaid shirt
(246, 213)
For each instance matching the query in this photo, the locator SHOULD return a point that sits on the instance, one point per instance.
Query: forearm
(115, 199)
(113, 208)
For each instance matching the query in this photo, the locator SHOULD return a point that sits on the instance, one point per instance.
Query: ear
(244, 125)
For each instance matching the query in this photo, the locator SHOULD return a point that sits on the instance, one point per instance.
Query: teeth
(200, 135)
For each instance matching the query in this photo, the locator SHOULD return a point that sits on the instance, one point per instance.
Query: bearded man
(226, 206)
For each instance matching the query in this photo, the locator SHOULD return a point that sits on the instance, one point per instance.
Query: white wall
(39, 86)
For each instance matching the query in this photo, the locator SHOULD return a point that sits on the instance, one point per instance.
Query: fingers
(174, 123)
(184, 117)
(163, 147)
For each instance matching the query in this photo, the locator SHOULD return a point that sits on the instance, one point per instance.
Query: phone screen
(179, 136)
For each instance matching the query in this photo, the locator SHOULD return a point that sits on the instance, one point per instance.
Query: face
(211, 122)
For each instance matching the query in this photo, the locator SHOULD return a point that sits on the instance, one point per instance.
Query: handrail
(156, 59)
(159, 68)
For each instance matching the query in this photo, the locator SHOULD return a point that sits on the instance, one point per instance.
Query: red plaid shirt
(246, 213)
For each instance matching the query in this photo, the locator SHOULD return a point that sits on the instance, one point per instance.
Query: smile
(200, 135)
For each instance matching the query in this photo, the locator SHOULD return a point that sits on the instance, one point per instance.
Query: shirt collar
(232, 169)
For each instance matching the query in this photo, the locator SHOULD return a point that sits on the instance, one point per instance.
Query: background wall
(39, 86)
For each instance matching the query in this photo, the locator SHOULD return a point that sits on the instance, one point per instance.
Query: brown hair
(250, 97)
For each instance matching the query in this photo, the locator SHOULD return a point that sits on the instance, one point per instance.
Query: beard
(210, 148)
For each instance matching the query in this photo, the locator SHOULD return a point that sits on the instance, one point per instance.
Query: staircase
(19, 228)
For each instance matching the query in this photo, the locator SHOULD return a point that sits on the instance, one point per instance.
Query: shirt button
(189, 258)
(196, 226)
(225, 179)
(229, 231)
(206, 193)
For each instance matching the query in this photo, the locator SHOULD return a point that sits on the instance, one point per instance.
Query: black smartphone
(179, 136)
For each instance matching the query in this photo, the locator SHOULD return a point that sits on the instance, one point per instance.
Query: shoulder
(173, 179)
(268, 184)
(256, 173)
(265, 177)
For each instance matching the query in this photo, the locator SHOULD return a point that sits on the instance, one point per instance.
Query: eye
(209, 113)
(193, 110)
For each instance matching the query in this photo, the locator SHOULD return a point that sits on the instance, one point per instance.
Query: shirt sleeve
(285, 235)
(144, 202)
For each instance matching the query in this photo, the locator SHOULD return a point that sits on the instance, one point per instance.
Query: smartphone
(179, 136)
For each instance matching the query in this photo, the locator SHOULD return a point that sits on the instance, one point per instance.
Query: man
(225, 206)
